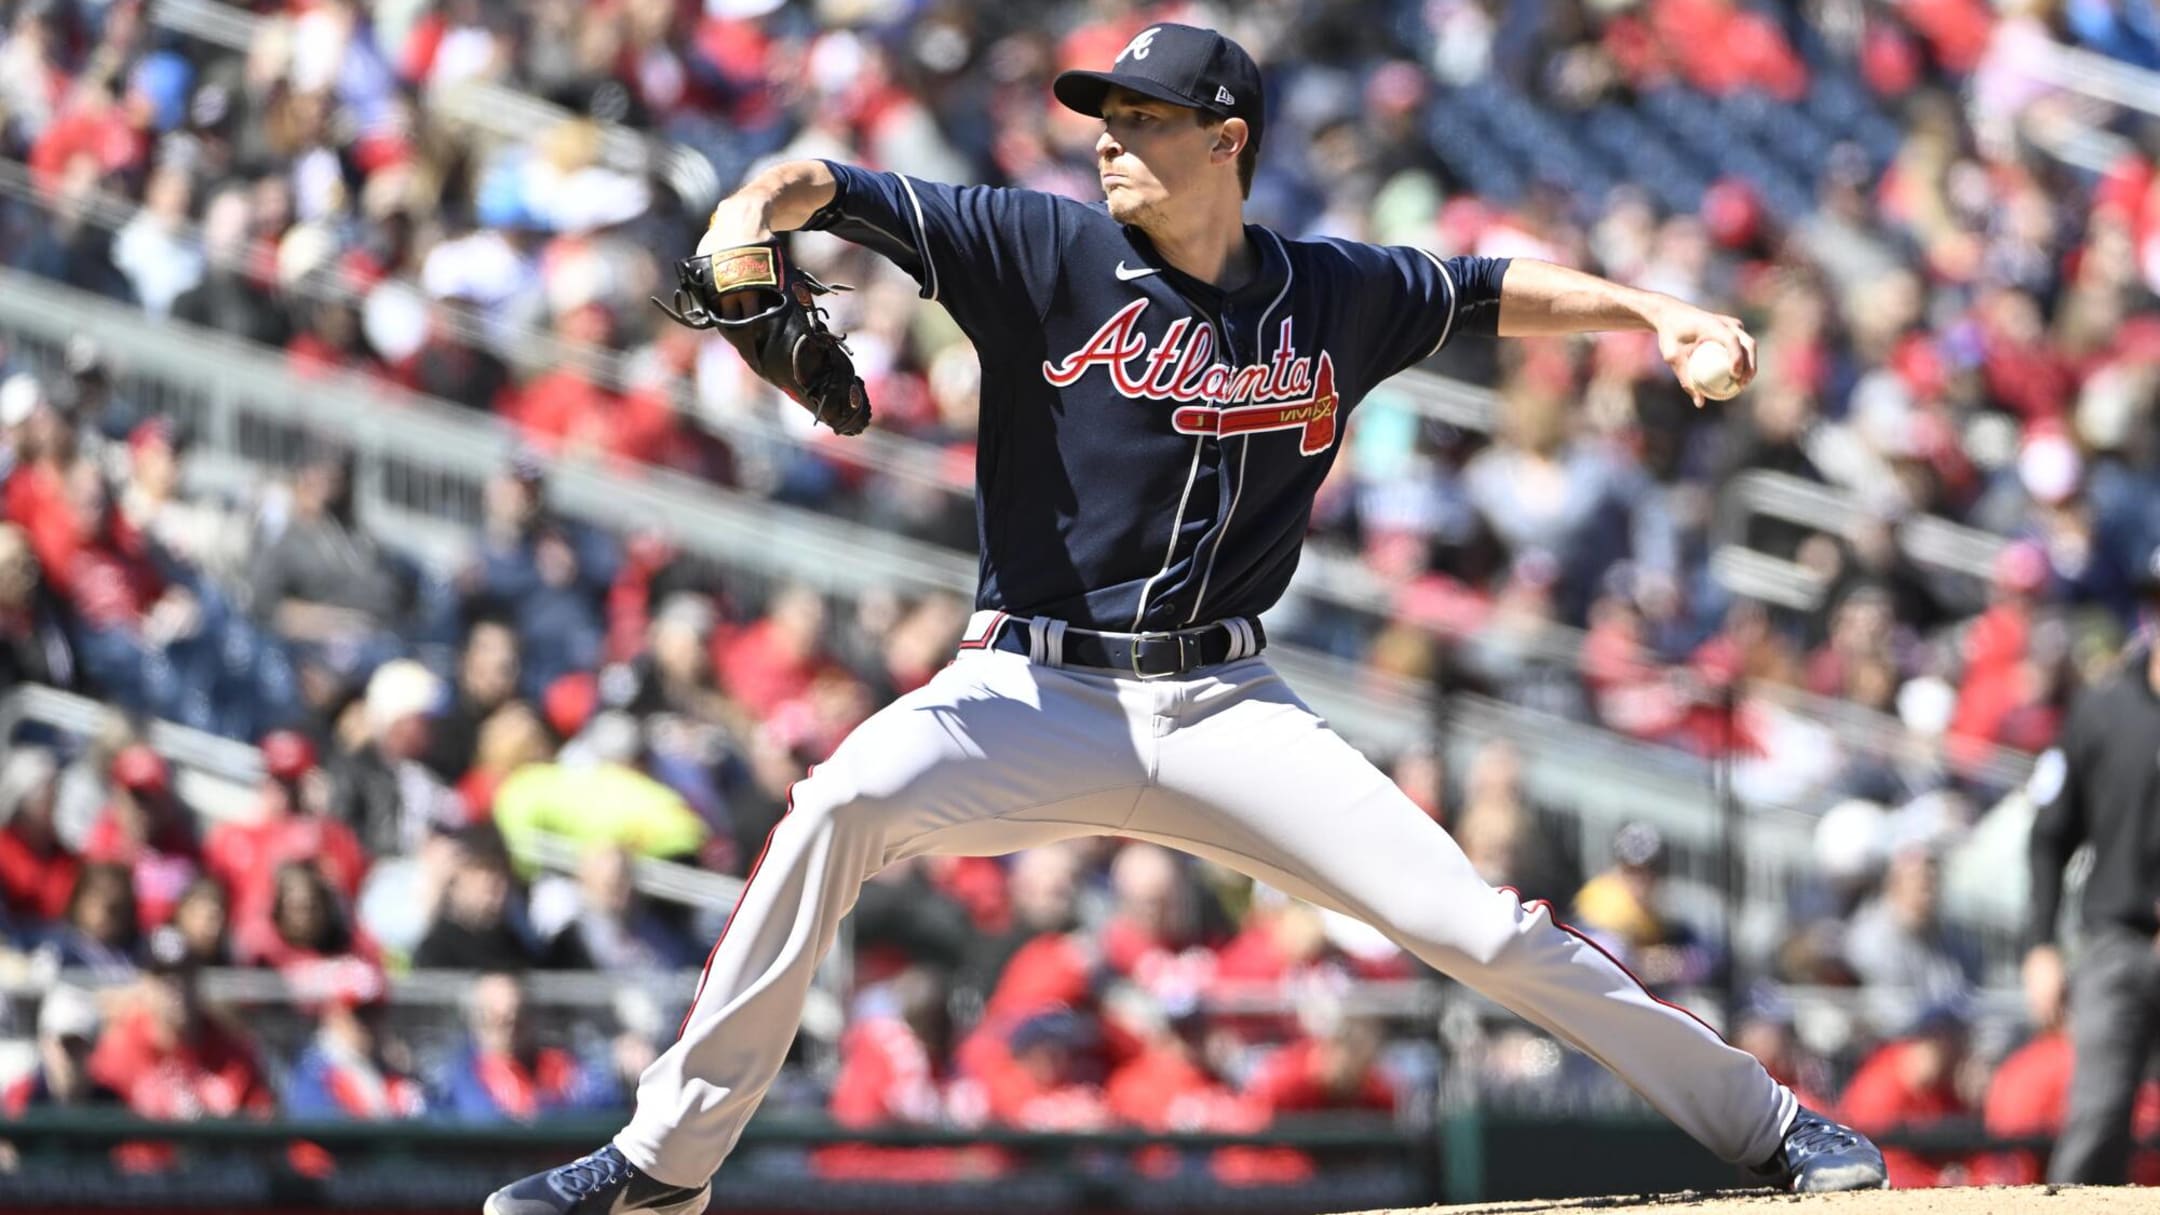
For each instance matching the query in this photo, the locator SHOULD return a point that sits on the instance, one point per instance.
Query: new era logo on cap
(1180, 64)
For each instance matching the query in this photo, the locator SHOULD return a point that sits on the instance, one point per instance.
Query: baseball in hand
(1710, 368)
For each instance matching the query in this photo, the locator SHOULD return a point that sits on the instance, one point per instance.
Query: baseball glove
(784, 339)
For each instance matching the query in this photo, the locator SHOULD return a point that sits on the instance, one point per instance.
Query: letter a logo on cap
(1138, 47)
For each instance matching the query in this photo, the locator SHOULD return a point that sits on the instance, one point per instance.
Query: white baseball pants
(998, 753)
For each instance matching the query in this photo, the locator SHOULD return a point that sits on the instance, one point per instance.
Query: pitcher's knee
(819, 804)
(1459, 937)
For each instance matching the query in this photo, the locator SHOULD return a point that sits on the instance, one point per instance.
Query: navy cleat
(1819, 1156)
(604, 1183)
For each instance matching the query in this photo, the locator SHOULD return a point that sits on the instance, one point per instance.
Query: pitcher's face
(1150, 152)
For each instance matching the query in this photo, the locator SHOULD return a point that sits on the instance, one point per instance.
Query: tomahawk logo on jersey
(1196, 423)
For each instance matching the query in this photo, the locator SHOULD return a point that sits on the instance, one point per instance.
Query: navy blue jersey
(1150, 445)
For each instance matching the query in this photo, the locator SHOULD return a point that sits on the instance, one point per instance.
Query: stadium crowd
(1952, 323)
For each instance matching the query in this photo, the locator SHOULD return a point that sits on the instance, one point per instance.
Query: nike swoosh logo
(691, 1205)
(1126, 276)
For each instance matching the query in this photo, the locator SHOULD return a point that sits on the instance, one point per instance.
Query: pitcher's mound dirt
(1994, 1200)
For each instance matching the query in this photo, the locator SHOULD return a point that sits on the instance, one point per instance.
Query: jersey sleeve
(982, 251)
(1415, 301)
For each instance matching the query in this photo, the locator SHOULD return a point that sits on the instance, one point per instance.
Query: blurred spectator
(1766, 1032)
(1623, 907)
(1898, 939)
(173, 1057)
(542, 575)
(33, 646)
(893, 1072)
(776, 659)
(67, 1029)
(147, 829)
(104, 417)
(1153, 935)
(566, 799)
(232, 296)
(1541, 490)
(37, 871)
(501, 1073)
(101, 932)
(1044, 886)
(1049, 1075)
(353, 1068)
(307, 923)
(1917, 1081)
(512, 738)
(473, 927)
(319, 577)
(292, 824)
(2029, 1096)
(616, 929)
(382, 790)
(201, 536)
(1171, 1083)
(1282, 943)
(487, 679)
(154, 250)
(1500, 832)
(907, 921)
(1334, 1066)
(675, 673)
(203, 922)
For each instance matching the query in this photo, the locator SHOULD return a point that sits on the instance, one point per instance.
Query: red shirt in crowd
(1879, 1099)
(1163, 1090)
(213, 1074)
(35, 882)
(1055, 968)
(96, 128)
(2029, 1095)
(244, 858)
(101, 567)
(1290, 1082)
(888, 1078)
(162, 865)
(760, 674)
(565, 409)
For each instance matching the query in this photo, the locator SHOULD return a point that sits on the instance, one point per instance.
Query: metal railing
(1931, 542)
(2093, 75)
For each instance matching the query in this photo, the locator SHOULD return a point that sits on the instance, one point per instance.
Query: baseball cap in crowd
(139, 769)
(399, 689)
(1052, 1027)
(287, 755)
(69, 1012)
(20, 395)
(1181, 64)
(157, 430)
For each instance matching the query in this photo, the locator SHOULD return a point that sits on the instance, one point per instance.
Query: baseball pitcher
(1164, 387)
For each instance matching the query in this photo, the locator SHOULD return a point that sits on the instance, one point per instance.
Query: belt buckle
(1141, 641)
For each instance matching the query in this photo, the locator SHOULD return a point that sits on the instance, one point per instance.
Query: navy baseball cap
(1181, 64)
